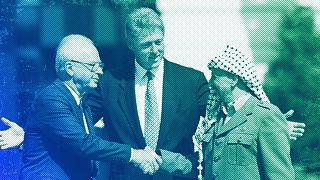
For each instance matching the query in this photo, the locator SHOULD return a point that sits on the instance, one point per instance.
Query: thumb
(8, 122)
(289, 114)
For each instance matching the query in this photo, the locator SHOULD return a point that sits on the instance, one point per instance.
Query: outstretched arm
(11, 137)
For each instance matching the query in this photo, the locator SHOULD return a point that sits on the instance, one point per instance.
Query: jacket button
(216, 158)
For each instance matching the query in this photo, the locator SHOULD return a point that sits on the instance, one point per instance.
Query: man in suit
(60, 142)
(181, 98)
(250, 137)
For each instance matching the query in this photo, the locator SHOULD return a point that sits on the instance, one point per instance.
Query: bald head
(75, 47)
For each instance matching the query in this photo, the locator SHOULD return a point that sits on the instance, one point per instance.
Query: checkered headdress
(233, 61)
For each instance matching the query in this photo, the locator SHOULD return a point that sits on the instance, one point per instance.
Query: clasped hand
(146, 159)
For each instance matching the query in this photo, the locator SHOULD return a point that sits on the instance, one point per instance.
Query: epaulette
(264, 104)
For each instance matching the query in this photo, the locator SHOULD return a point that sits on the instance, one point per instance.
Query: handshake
(146, 159)
(149, 162)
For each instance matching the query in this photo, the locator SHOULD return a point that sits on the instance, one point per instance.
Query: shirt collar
(140, 72)
(74, 94)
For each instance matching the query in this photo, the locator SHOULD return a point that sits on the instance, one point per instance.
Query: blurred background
(282, 37)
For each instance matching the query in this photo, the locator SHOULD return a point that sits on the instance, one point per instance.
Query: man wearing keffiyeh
(247, 137)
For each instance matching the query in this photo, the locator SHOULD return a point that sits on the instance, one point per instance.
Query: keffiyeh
(233, 61)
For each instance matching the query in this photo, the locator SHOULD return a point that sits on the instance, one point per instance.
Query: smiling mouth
(153, 57)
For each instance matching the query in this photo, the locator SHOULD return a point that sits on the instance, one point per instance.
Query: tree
(293, 79)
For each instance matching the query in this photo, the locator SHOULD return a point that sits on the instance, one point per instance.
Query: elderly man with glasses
(60, 142)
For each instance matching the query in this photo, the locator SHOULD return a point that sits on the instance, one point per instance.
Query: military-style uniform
(252, 145)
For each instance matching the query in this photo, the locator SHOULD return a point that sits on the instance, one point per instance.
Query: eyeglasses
(94, 66)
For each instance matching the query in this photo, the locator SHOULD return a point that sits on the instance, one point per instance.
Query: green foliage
(294, 77)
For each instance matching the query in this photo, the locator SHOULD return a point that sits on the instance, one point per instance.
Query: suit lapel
(128, 105)
(238, 118)
(170, 102)
(66, 92)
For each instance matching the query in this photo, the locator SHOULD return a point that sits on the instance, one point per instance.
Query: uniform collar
(232, 107)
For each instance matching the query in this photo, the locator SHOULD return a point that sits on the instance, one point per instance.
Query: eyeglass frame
(94, 66)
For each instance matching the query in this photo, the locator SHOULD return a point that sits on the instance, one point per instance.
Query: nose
(154, 48)
(99, 71)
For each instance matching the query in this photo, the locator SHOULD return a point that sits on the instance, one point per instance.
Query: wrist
(133, 156)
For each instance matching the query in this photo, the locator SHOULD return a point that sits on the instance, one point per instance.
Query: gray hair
(142, 19)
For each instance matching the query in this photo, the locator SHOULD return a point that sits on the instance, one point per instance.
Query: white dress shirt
(77, 98)
(141, 86)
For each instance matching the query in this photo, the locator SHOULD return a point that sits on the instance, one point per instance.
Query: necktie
(152, 116)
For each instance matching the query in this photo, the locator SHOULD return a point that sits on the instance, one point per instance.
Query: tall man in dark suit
(181, 97)
(60, 142)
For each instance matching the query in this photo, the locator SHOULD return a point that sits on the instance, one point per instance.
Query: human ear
(69, 68)
(129, 44)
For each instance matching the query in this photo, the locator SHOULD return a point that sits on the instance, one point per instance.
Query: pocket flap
(241, 138)
(207, 137)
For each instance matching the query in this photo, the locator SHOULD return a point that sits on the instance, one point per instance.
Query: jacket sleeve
(202, 94)
(59, 123)
(274, 147)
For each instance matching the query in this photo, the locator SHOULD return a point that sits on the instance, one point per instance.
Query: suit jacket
(56, 145)
(185, 94)
(253, 144)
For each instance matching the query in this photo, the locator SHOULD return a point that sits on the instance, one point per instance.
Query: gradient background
(30, 30)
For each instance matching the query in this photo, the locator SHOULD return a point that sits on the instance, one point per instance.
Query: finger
(142, 165)
(151, 170)
(152, 164)
(293, 138)
(7, 122)
(289, 114)
(5, 146)
(3, 143)
(159, 160)
(147, 169)
(296, 135)
(155, 166)
(299, 125)
(298, 130)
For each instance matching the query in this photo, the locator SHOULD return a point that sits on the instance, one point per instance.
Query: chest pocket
(239, 149)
